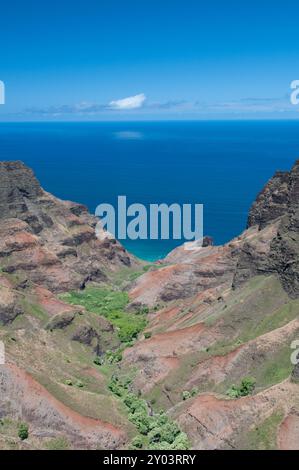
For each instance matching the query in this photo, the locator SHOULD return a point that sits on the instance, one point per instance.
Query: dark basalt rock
(271, 202)
(85, 334)
(174, 292)
(9, 313)
(52, 242)
(60, 321)
(278, 201)
(18, 185)
(207, 241)
(295, 372)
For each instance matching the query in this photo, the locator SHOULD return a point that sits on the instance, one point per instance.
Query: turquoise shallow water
(222, 164)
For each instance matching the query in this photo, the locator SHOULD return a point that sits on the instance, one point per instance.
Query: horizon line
(73, 121)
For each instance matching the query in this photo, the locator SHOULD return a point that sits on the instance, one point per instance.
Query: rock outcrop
(49, 241)
(276, 207)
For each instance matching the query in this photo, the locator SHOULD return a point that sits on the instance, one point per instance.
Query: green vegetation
(23, 431)
(260, 306)
(186, 394)
(112, 357)
(98, 361)
(111, 305)
(263, 437)
(147, 334)
(79, 384)
(246, 387)
(275, 368)
(137, 442)
(126, 276)
(156, 431)
(58, 443)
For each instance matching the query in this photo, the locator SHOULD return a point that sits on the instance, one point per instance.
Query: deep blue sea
(222, 164)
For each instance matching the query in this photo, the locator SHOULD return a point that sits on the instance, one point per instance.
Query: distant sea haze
(222, 164)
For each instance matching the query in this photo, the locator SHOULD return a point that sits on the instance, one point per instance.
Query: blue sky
(79, 60)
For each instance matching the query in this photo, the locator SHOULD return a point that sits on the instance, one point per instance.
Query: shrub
(160, 432)
(186, 395)
(141, 420)
(114, 356)
(133, 403)
(116, 387)
(143, 310)
(137, 442)
(79, 384)
(148, 334)
(155, 435)
(181, 442)
(23, 431)
(68, 382)
(166, 432)
(233, 392)
(246, 387)
(98, 361)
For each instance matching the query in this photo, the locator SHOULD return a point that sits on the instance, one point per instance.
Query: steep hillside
(97, 343)
(50, 380)
(224, 314)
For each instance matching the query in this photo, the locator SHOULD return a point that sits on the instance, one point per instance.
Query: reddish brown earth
(45, 413)
(218, 423)
(216, 316)
(288, 436)
(51, 242)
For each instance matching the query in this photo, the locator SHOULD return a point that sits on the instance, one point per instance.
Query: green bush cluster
(246, 387)
(112, 357)
(79, 384)
(157, 431)
(23, 431)
(99, 361)
(186, 394)
(111, 305)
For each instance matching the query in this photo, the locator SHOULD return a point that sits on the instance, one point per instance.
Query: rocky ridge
(51, 242)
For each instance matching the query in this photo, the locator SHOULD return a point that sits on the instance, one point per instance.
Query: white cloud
(132, 102)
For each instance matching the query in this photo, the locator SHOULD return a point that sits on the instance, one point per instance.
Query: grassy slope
(257, 308)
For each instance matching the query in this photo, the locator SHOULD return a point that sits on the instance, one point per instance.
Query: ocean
(221, 164)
